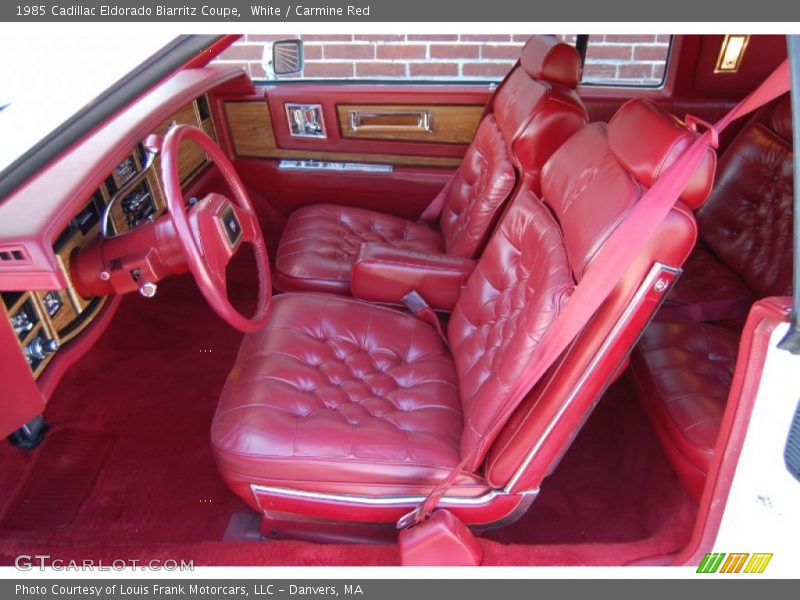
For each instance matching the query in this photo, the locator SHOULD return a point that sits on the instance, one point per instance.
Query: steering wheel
(211, 231)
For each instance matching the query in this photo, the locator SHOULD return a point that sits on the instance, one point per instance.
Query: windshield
(47, 78)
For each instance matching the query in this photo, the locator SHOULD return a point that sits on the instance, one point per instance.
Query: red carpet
(69, 463)
(153, 382)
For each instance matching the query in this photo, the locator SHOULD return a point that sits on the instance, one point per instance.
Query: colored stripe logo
(735, 562)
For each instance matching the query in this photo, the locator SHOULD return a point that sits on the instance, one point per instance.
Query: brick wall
(635, 59)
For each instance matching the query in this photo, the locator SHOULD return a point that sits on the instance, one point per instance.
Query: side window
(626, 60)
(638, 60)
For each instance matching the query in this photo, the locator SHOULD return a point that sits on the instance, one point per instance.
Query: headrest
(780, 120)
(646, 140)
(545, 57)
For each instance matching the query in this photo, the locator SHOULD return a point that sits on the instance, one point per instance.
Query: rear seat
(683, 366)
(745, 226)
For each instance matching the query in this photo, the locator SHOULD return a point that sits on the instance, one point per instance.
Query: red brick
(663, 39)
(433, 69)
(609, 52)
(431, 37)
(243, 52)
(328, 38)
(395, 51)
(380, 69)
(455, 51)
(257, 71)
(328, 69)
(569, 38)
(257, 37)
(379, 38)
(348, 51)
(625, 38)
(519, 37)
(485, 69)
(658, 71)
(594, 72)
(312, 51)
(635, 71)
(492, 51)
(650, 52)
(485, 37)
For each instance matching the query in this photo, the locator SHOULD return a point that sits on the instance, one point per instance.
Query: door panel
(418, 134)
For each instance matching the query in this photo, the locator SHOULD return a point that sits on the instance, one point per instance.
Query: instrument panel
(45, 320)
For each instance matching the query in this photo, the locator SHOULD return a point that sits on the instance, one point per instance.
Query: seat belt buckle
(692, 122)
(414, 302)
(440, 540)
(410, 518)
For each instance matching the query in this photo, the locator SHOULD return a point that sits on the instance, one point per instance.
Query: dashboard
(109, 185)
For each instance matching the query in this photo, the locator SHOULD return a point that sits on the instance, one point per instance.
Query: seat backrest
(538, 256)
(535, 110)
(747, 221)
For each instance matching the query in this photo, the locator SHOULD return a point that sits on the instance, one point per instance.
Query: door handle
(390, 120)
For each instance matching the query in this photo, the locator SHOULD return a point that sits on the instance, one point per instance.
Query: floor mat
(62, 479)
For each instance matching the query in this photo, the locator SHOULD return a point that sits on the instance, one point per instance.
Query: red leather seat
(534, 111)
(746, 224)
(342, 410)
(682, 373)
(682, 368)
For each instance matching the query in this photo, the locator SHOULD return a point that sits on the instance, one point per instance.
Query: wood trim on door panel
(252, 136)
(447, 124)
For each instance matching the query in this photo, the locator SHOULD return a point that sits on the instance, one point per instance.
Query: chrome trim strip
(317, 165)
(486, 498)
(627, 314)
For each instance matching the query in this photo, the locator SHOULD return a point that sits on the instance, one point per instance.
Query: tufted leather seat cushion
(334, 392)
(529, 119)
(683, 372)
(321, 242)
(746, 224)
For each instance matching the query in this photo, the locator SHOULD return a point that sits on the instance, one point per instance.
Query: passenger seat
(683, 367)
(534, 111)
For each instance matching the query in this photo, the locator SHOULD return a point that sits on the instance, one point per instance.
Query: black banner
(232, 11)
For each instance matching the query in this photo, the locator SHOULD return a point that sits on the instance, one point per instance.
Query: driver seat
(534, 111)
(343, 411)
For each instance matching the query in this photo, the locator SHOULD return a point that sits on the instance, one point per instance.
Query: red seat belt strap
(609, 267)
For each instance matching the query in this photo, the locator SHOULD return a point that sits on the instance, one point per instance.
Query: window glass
(631, 60)
(610, 59)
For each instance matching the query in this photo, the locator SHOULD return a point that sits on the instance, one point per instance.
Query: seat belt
(435, 208)
(613, 261)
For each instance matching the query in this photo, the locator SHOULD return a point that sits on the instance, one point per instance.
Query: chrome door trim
(651, 281)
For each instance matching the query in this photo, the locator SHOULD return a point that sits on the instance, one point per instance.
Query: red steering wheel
(212, 230)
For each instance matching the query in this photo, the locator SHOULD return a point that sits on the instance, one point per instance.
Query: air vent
(111, 186)
(13, 255)
(142, 154)
(202, 108)
(791, 455)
